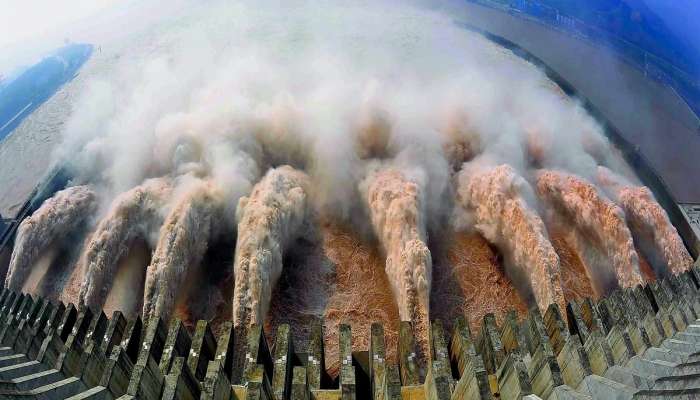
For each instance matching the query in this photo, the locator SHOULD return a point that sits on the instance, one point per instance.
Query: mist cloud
(367, 103)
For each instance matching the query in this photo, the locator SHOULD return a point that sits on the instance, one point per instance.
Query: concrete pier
(641, 342)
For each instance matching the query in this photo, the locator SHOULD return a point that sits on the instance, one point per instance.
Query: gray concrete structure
(635, 343)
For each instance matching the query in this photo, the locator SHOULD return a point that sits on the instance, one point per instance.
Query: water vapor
(261, 118)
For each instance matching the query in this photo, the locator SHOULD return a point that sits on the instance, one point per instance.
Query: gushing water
(184, 238)
(58, 216)
(132, 215)
(648, 222)
(597, 217)
(495, 199)
(397, 211)
(269, 220)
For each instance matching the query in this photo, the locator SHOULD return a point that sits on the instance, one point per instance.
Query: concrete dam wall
(640, 342)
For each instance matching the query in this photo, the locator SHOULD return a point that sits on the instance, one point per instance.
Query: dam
(286, 221)
(639, 342)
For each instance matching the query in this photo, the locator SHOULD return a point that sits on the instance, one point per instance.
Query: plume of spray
(648, 222)
(275, 84)
(396, 206)
(372, 128)
(597, 217)
(183, 240)
(496, 200)
(269, 220)
(133, 214)
(58, 216)
(462, 141)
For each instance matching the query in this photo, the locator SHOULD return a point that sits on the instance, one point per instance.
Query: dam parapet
(641, 342)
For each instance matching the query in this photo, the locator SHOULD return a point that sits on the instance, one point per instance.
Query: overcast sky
(29, 29)
(22, 20)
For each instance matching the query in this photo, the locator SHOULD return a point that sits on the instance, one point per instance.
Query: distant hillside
(36, 84)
